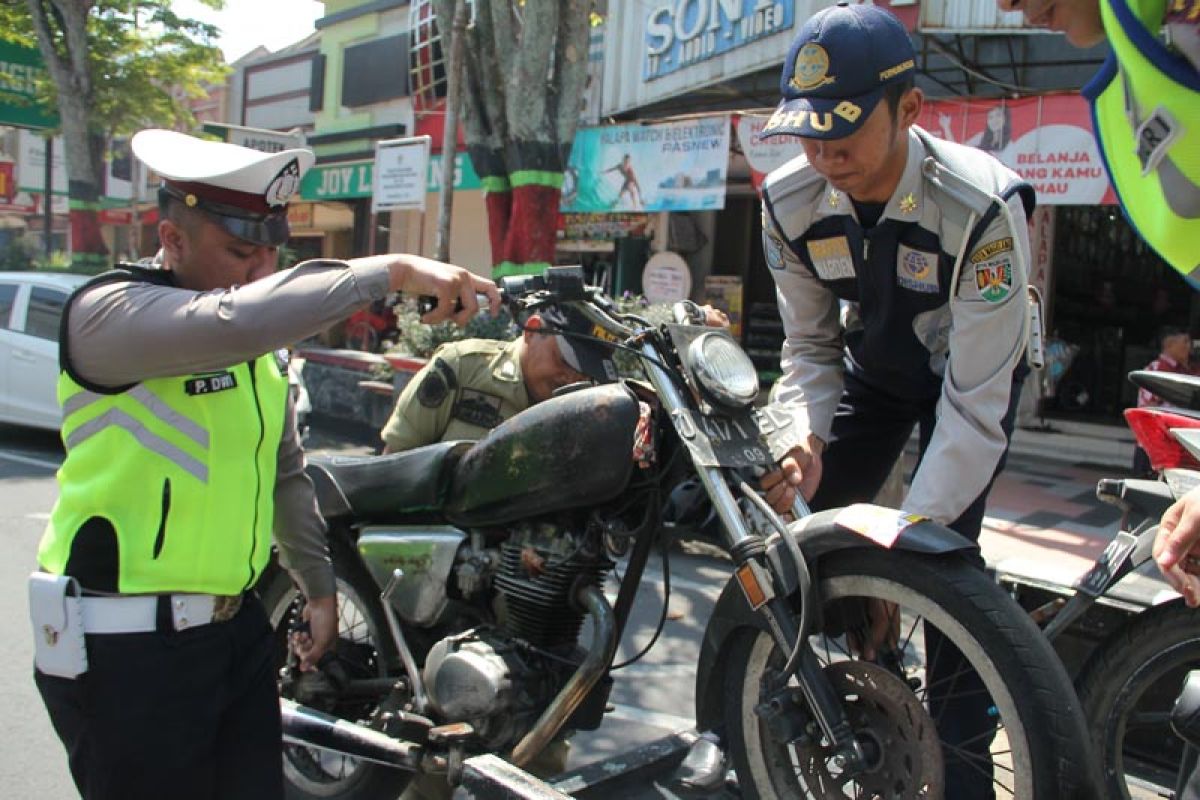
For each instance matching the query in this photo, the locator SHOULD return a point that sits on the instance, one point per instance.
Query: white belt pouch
(56, 610)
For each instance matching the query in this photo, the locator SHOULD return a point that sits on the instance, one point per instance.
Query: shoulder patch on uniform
(994, 279)
(773, 249)
(437, 384)
(992, 249)
(478, 408)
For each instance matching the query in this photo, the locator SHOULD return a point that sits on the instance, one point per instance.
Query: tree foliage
(137, 61)
(113, 66)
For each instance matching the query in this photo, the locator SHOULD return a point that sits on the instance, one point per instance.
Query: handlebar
(528, 293)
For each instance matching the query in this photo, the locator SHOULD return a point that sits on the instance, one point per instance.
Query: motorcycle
(465, 572)
(1130, 680)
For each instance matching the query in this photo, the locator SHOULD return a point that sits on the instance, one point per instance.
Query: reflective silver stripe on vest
(148, 439)
(169, 415)
(151, 403)
(80, 400)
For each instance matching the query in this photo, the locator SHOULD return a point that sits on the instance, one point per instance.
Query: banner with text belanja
(666, 166)
(1047, 140)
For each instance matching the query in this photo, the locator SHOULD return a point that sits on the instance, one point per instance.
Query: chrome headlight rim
(716, 383)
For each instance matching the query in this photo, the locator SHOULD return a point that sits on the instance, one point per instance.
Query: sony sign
(683, 32)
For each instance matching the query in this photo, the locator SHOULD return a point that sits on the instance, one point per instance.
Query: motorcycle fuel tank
(566, 452)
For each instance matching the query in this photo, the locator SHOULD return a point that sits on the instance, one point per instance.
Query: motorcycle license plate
(719, 441)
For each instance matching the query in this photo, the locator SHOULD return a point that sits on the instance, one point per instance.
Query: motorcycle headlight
(725, 373)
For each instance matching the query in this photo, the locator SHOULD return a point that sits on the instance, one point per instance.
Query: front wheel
(1128, 687)
(1008, 726)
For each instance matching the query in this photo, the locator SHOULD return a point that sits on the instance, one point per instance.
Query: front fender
(819, 536)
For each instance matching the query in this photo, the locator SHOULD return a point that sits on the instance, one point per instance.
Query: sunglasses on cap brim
(270, 230)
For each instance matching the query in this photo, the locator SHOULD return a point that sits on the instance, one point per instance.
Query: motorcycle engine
(485, 678)
(500, 679)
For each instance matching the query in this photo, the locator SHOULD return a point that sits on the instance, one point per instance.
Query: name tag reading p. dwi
(208, 384)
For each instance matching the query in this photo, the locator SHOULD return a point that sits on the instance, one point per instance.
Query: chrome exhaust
(311, 728)
(599, 657)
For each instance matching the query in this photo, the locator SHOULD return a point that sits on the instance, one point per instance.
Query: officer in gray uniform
(929, 239)
(471, 386)
(181, 458)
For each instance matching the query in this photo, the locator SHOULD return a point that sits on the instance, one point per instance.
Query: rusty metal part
(904, 754)
(604, 644)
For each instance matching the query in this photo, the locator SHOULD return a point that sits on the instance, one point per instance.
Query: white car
(31, 306)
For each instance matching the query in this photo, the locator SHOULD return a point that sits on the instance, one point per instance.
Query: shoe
(703, 769)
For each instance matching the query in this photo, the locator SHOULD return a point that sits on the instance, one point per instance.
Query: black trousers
(187, 715)
(869, 432)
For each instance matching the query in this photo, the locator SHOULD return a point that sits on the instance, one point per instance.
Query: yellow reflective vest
(1146, 114)
(168, 485)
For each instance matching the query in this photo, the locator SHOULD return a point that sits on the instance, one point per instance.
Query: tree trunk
(61, 27)
(523, 79)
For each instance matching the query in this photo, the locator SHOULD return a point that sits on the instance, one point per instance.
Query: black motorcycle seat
(374, 487)
(1175, 388)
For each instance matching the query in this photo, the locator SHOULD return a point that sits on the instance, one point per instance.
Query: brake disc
(899, 739)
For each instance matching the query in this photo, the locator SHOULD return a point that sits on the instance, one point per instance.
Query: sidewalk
(1045, 524)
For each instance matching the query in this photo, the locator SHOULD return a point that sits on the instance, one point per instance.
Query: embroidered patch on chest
(478, 408)
(917, 270)
(210, 384)
(831, 258)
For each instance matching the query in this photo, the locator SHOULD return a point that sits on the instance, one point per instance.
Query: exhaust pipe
(311, 728)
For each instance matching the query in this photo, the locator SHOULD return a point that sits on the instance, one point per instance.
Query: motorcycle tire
(1128, 686)
(311, 774)
(1037, 751)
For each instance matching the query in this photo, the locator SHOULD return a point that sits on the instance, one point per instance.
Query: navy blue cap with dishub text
(836, 70)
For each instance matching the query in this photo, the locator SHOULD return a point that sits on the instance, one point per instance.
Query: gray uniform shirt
(125, 332)
(973, 340)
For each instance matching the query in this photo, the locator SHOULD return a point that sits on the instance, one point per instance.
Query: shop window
(316, 86)
(1112, 294)
(375, 71)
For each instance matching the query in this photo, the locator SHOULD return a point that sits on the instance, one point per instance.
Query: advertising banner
(763, 155)
(682, 32)
(672, 166)
(20, 70)
(1047, 140)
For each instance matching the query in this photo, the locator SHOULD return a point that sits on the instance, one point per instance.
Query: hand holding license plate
(719, 440)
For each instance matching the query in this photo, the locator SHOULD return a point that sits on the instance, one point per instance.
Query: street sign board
(400, 173)
(267, 141)
(20, 69)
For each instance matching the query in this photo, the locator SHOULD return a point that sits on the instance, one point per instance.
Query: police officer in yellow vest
(153, 660)
(1146, 104)
(471, 386)
(1146, 110)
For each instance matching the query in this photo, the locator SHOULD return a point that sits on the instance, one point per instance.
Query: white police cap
(245, 190)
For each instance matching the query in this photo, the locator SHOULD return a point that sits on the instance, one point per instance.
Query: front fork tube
(822, 699)
(759, 585)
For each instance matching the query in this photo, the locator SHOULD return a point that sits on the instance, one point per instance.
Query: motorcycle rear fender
(818, 536)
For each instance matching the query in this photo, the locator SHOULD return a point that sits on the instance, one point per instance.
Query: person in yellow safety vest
(1146, 107)
(153, 658)
(1146, 110)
